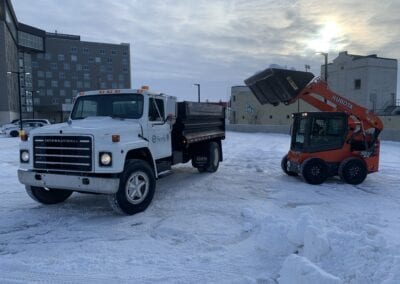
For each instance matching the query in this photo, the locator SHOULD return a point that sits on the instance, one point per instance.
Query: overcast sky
(219, 43)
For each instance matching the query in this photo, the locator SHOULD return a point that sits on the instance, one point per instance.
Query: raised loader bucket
(274, 86)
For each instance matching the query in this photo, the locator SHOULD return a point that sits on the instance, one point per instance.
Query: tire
(47, 195)
(314, 171)
(213, 157)
(352, 170)
(284, 167)
(136, 188)
(14, 133)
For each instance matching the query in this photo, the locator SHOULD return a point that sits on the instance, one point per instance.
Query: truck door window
(156, 109)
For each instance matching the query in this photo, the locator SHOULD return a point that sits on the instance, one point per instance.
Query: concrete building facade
(42, 72)
(369, 81)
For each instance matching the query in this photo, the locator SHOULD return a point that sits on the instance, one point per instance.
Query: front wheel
(136, 188)
(285, 168)
(314, 171)
(48, 195)
(352, 170)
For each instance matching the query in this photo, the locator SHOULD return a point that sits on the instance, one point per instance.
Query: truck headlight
(24, 156)
(105, 159)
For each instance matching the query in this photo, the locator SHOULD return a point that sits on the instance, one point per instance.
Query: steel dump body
(197, 122)
(274, 86)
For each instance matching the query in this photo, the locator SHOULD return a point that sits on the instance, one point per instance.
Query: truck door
(159, 130)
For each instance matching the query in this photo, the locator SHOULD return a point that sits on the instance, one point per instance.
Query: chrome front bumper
(77, 183)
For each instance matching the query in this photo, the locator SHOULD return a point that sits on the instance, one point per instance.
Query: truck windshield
(115, 105)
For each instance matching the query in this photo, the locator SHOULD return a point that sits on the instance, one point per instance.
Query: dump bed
(274, 86)
(197, 122)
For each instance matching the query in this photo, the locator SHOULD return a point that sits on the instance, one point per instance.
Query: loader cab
(318, 131)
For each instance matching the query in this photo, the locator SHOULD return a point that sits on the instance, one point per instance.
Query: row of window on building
(86, 76)
(80, 85)
(80, 67)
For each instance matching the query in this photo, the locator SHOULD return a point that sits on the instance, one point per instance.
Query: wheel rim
(315, 171)
(137, 187)
(216, 157)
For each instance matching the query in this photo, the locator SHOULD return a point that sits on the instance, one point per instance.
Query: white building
(369, 81)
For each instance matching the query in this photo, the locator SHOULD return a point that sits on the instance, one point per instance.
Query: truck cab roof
(143, 91)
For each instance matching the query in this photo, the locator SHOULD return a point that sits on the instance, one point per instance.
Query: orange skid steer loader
(342, 139)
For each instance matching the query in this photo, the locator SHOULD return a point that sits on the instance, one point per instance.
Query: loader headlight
(105, 159)
(24, 156)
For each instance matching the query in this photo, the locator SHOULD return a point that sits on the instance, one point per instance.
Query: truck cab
(115, 142)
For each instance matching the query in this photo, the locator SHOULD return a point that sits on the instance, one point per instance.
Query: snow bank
(297, 269)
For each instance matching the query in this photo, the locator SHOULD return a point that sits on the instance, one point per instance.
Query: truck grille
(62, 153)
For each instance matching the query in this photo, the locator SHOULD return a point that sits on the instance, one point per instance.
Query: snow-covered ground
(247, 223)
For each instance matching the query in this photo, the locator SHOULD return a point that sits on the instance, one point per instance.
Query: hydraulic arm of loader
(287, 86)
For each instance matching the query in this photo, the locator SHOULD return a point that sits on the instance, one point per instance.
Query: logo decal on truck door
(160, 139)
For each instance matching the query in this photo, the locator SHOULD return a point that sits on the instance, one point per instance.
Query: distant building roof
(358, 57)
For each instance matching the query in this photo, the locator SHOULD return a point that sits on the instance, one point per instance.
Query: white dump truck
(118, 142)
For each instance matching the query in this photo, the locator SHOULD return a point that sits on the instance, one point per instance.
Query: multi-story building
(42, 72)
(370, 81)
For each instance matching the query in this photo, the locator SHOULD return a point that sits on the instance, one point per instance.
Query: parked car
(13, 129)
(13, 126)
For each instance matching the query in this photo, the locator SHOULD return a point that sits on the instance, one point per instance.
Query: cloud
(219, 42)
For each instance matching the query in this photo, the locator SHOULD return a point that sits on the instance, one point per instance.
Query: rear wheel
(48, 195)
(14, 133)
(314, 171)
(211, 153)
(353, 170)
(284, 167)
(136, 188)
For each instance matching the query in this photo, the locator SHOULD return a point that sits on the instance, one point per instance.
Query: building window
(87, 85)
(103, 85)
(121, 78)
(47, 56)
(109, 69)
(61, 57)
(35, 64)
(62, 93)
(54, 66)
(101, 51)
(357, 84)
(40, 74)
(91, 59)
(39, 56)
(98, 59)
(113, 52)
(74, 58)
(54, 83)
(109, 60)
(66, 66)
(121, 85)
(78, 67)
(40, 83)
(270, 117)
(61, 75)
(74, 50)
(49, 74)
(49, 92)
(125, 53)
(67, 84)
(85, 50)
(113, 85)
(125, 61)
(110, 77)
(79, 84)
(67, 101)
(102, 68)
(85, 67)
(54, 101)
(234, 98)
(125, 70)
(86, 76)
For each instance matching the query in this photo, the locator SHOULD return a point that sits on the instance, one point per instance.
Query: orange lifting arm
(330, 101)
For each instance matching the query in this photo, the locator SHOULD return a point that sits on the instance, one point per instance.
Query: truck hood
(93, 126)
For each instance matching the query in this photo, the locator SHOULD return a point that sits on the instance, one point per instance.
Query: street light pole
(19, 97)
(198, 91)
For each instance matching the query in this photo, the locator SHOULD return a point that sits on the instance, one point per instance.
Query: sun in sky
(327, 38)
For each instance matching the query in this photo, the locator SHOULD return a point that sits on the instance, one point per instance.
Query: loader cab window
(299, 133)
(156, 110)
(327, 133)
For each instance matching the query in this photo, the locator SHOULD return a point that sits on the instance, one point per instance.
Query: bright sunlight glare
(326, 38)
